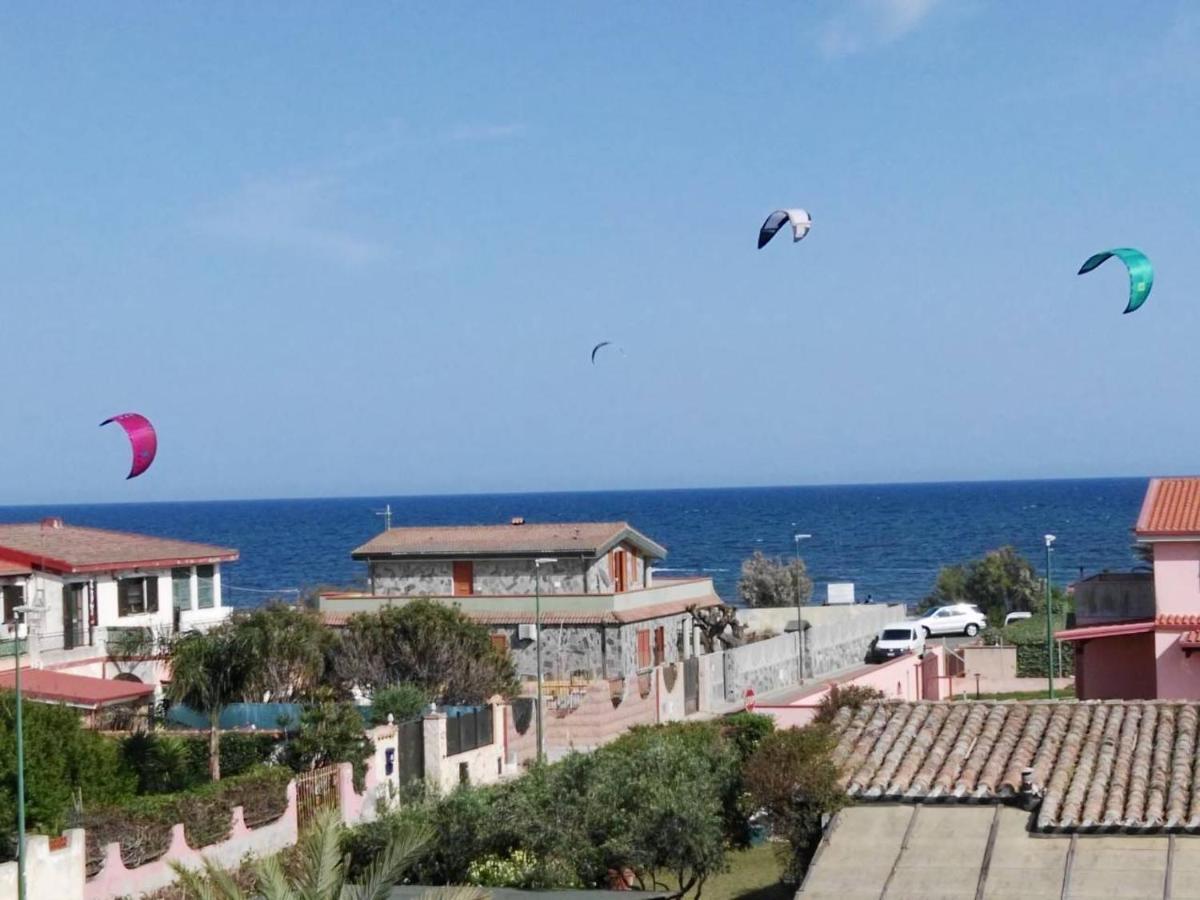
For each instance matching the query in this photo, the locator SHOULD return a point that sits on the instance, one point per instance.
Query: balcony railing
(136, 641)
(1114, 597)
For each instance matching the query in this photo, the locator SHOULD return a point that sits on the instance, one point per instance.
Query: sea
(888, 539)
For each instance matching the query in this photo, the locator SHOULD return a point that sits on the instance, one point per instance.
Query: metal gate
(410, 741)
(316, 791)
(691, 685)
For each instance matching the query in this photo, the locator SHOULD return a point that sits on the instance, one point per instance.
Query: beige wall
(484, 764)
(52, 874)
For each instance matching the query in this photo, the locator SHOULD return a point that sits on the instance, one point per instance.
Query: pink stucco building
(1137, 635)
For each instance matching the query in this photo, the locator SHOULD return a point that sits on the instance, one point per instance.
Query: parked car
(896, 640)
(958, 618)
(1016, 617)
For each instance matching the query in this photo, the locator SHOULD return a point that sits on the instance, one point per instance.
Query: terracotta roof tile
(527, 539)
(10, 568)
(73, 548)
(1094, 765)
(1182, 621)
(77, 690)
(1171, 507)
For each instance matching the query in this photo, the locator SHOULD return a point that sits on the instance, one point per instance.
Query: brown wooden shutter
(464, 578)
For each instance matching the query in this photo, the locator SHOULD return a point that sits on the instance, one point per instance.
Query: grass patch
(753, 875)
(1065, 693)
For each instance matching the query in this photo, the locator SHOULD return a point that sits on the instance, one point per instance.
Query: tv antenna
(386, 513)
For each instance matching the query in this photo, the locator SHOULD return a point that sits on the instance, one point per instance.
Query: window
(643, 648)
(136, 596)
(181, 588)
(14, 596)
(660, 646)
(204, 587)
(500, 642)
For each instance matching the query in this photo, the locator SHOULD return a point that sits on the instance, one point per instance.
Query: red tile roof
(1109, 764)
(73, 548)
(1171, 508)
(591, 538)
(1177, 621)
(1091, 632)
(76, 690)
(9, 568)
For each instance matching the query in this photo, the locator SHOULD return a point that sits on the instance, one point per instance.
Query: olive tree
(773, 582)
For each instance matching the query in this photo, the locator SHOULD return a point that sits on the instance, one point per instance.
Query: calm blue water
(888, 539)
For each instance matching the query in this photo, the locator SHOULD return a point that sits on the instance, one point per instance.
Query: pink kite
(142, 439)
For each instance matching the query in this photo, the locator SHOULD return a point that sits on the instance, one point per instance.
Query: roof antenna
(386, 512)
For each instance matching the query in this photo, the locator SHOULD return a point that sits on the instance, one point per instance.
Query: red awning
(75, 690)
(1104, 631)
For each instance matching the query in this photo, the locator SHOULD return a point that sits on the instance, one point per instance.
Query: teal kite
(1141, 273)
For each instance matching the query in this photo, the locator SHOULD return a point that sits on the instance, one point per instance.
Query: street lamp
(799, 616)
(22, 631)
(537, 627)
(1049, 538)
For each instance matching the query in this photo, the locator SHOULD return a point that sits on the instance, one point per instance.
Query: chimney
(52, 522)
(517, 520)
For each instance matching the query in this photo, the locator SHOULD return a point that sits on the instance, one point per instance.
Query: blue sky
(367, 249)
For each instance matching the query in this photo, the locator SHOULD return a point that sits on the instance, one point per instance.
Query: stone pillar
(434, 734)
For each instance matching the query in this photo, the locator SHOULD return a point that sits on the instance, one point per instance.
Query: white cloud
(862, 24)
(486, 132)
(289, 214)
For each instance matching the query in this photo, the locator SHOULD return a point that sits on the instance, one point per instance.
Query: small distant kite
(1141, 273)
(597, 347)
(800, 219)
(142, 440)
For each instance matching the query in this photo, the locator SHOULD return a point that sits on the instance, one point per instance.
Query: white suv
(960, 618)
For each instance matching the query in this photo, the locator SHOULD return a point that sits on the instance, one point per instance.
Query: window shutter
(152, 594)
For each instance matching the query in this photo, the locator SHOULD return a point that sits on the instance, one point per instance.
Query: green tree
(401, 701)
(999, 582)
(331, 732)
(210, 670)
(320, 870)
(291, 647)
(430, 645)
(773, 582)
(793, 778)
(63, 763)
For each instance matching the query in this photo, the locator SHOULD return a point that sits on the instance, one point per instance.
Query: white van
(896, 640)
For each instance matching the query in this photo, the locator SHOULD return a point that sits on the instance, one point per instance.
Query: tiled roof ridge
(508, 526)
(1093, 764)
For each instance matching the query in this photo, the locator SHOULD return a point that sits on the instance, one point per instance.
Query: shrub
(401, 701)
(853, 696)
(63, 762)
(142, 825)
(771, 582)
(331, 732)
(168, 763)
(792, 777)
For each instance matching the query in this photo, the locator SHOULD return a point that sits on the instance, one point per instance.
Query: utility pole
(537, 627)
(799, 605)
(22, 631)
(1049, 620)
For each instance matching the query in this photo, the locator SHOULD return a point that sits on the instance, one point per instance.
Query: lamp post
(1049, 538)
(537, 627)
(799, 616)
(22, 631)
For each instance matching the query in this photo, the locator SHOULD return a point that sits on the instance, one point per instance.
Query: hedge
(1029, 636)
(142, 826)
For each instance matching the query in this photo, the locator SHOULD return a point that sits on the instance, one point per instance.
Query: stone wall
(838, 637)
(608, 651)
(412, 577)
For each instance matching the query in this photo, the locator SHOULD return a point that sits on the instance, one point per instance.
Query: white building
(100, 595)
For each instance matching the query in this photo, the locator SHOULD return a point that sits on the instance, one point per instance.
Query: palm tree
(321, 873)
(210, 670)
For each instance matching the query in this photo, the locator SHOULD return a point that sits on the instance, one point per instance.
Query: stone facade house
(603, 614)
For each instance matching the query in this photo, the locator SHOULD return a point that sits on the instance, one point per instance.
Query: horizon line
(588, 491)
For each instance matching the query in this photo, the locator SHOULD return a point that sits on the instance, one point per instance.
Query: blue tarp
(263, 716)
